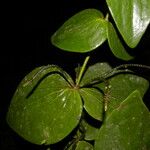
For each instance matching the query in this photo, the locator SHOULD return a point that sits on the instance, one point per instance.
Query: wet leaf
(45, 108)
(83, 32)
(131, 17)
(127, 128)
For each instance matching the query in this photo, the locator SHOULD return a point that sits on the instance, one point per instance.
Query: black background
(27, 31)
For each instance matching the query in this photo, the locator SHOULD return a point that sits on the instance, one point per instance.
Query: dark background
(27, 45)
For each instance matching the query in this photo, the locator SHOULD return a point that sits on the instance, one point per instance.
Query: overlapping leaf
(93, 102)
(115, 45)
(131, 17)
(96, 71)
(83, 145)
(127, 128)
(83, 32)
(90, 131)
(44, 108)
(120, 86)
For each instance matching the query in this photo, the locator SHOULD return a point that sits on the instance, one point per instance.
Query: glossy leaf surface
(131, 17)
(83, 32)
(127, 128)
(45, 109)
(120, 86)
(93, 102)
(115, 44)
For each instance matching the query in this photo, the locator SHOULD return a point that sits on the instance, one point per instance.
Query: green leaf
(83, 32)
(45, 108)
(83, 145)
(96, 71)
(115, 44)
(93, 102)
(90, 131)
(131, 17)
(80, 145)
(120, 86)
(127, 128)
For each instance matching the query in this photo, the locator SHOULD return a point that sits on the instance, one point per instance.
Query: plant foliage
(49, 105)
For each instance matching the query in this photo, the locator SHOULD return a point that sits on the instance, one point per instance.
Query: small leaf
(127, 128)
(96, 71)
(132, 17)
(90, 131)
(120, 86)
(83, 32)
(45, 108)
(115, 44)
(83, 145)
(93, 102)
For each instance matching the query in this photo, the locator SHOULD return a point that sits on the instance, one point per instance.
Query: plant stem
(82, 70)
(107, 17)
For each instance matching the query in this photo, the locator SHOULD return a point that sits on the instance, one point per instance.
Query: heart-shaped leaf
(93, 102)
(119, 87)
(131, 17)
(83, 32)
(115, 45)
(127, 128)
(45, 108)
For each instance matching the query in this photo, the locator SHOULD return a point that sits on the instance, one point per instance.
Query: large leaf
(115, 45)
(127, 128)
(95, 72)
(45, 108)
(119, 87)
(131, 17)
(93, 102)
(83, 32)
